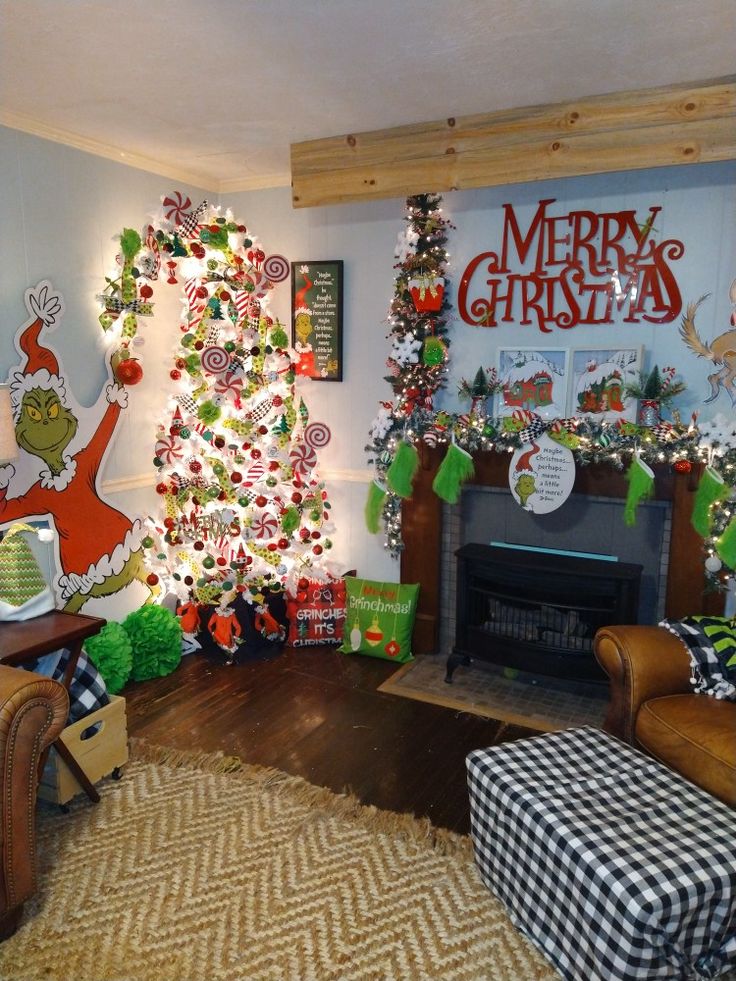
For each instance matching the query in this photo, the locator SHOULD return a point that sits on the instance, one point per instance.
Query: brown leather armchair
(654, 708)
(33, 711)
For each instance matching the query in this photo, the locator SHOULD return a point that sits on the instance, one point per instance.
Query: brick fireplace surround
(422, 532)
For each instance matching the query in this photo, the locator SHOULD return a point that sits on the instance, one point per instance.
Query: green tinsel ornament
(155, 637)
(726, 545)
(712, 488)
(641, 486)
(456, 468)
(111, 651)
(434, 351)
(290, 520)
(374, 506)
(401, 472)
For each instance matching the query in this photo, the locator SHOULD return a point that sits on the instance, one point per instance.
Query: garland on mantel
(418, 364)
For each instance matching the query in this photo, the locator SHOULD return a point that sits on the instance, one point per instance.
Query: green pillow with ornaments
(379, 618)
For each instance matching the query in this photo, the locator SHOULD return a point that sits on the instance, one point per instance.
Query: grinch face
(525, 487)
(45, 427)
(302, 326)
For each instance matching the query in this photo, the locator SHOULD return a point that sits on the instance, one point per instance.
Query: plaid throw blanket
(711, 644)
(87, 692)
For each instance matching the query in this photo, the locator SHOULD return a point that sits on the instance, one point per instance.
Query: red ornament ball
(129, 372)
(317, 549)
(175, 374)
(195, 466)
(199, 546)
(169, 523)
(272, 546)
(255, 453)
(152, 579)
(162, 488)
(274, 465)
(221, 560)
(235, 477)
(283, 543)
(296, 497)
(146, 292)
(303, 584)
(201, 293)
(188, 581)
(261, 501)
(683, 466)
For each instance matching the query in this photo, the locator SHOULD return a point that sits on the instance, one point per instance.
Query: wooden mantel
(677, 124)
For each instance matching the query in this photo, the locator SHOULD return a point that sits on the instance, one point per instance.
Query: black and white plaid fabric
(711, 645)
(87, 692)
(612, 865)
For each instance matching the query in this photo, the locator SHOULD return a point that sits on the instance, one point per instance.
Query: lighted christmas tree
(244, 513)
(417, 362)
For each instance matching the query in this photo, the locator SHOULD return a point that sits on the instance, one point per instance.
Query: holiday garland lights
(244, 511)
(416, 375)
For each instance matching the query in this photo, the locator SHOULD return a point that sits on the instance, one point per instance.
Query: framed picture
(534, 378)
(316, 318)
(599, 375)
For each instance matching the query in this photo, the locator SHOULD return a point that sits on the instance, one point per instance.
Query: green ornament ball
(187, 340)
(147, 542)
(208, 562)
(230, 346)
(185, 433)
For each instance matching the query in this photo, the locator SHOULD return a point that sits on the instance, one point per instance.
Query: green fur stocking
(641, 486)
(374, 506)
(454, 469)
(726, 545)
(401, 472)
(711, 488)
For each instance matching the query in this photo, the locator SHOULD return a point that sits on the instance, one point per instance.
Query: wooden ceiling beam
(677, 124)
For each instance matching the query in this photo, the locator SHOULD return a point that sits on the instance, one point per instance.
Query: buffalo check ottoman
(612, 865)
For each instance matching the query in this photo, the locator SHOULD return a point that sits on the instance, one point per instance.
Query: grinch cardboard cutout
(62, 449)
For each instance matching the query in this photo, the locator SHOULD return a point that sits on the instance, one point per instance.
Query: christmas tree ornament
(374, 506)
(128, 371)
(434, 351)
(403, 468)
(711, 489)
(455, 469)
(640, 477)
(374, 634)
(356, 637)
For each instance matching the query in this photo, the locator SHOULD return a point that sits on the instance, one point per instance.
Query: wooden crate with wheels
(99, 743)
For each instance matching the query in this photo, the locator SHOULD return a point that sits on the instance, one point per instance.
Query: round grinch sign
(541, 475)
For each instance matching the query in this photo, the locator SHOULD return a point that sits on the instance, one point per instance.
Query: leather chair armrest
(33, 711)
(641, 663)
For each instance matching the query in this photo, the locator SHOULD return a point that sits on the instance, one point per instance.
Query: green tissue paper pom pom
(155, 636)
(111, 652)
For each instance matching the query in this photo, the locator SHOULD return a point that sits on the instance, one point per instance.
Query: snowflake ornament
(406, 244)
(381, 425)
(405, 350)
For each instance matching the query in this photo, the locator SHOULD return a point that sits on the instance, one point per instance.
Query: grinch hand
(98, 546)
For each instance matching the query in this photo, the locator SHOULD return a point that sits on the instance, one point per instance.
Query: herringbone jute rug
(202, 868)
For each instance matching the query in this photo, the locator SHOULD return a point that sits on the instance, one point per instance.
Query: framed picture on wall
(534, 378)
(316, 318)
(599, 375)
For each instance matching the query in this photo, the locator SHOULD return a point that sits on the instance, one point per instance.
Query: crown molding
(26, 124)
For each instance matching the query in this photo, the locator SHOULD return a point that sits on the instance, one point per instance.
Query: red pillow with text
(316, 614)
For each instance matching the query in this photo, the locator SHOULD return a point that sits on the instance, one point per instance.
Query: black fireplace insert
(538, 611)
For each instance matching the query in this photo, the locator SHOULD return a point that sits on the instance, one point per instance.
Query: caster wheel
(117, 773)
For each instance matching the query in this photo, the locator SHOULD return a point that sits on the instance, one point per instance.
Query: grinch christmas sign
(581, 267)
(316, 312)
(541, 476)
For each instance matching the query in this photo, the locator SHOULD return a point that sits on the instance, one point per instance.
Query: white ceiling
(215, 91)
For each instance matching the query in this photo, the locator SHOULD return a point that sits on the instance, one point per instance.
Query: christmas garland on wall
(418, 366)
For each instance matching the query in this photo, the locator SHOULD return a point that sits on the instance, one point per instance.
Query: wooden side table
(27, 640)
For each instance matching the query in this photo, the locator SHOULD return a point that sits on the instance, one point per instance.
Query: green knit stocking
(454, 469)
(711, 488)
(641, 486)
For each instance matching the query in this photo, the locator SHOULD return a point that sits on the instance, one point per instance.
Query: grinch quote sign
(316, 317)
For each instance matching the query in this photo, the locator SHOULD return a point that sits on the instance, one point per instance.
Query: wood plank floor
(316, 713)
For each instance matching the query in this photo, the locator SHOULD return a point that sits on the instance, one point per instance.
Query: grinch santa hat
(41, 368)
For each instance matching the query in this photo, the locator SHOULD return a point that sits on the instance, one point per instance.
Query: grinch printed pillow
(379, 618)
(316, 613)
(711, 644)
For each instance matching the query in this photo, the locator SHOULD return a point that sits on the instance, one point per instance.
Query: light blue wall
(61, 210)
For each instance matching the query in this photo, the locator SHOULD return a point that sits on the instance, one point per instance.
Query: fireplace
(423, 532)
(538, 610)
